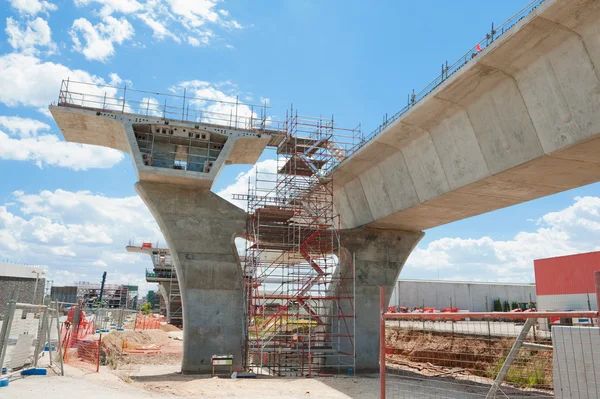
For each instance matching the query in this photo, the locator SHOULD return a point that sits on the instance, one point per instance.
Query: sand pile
(169, 327)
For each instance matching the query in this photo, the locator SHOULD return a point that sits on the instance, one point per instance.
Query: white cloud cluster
(77, 234)
(27, 39)
(28, 81)
(240, 185)
(180, 20)
(22, 127)
(24, 142)
(100, 39)
(110, 6)
(32, 7)
(574, 229)
(216, 103)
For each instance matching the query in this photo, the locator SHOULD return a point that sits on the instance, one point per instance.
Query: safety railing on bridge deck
(474, 355)
(449, 70)
(180, 107)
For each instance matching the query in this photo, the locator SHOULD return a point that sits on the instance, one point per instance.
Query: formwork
(300, 305)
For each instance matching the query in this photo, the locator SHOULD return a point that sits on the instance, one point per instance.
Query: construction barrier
(148, 322)
(26, 333)
(81, 348)
(83, 353)
(489, 354)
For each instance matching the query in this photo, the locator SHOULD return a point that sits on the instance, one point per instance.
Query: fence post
(510, 358)
(597, 281)
(42, 332)
(382, 343)
(59, 340)
(183, 108)
(5, 333)
(99, 349)
(124, 96)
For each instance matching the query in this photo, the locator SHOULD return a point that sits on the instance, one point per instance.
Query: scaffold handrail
(98, 96)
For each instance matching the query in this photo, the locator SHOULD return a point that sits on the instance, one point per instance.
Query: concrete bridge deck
(520, 121)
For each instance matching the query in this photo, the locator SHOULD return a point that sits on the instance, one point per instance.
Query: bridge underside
(519, 122)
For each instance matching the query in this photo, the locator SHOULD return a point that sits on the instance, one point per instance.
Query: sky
(73, 208)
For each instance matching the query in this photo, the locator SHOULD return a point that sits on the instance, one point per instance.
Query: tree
(146, 308)
(506, 306)
(497, 305)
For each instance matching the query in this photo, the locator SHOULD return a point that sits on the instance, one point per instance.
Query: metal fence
(490, 354)
(182, 107)
(29, 331)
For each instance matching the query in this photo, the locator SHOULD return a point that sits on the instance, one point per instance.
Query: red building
(567, 282)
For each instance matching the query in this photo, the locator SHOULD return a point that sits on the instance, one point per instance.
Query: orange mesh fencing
(143, 322)
(81, 348)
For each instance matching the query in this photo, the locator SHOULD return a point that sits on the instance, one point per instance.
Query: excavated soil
(465, 356)
(141, 347)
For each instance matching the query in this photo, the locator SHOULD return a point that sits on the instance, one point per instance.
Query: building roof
(20, 271)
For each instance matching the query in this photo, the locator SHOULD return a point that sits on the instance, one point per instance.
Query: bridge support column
(200, 228)
(379, 256)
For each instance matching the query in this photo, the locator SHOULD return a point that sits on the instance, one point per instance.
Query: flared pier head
(177, 157)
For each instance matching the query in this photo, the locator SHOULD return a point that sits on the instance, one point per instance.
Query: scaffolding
(114, 295)
(299, 289)
(165, 274)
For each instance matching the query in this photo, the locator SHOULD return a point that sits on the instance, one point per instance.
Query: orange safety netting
(143, 322)
(81, 348)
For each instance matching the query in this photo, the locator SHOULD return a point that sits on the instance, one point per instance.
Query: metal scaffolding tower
(299, 295)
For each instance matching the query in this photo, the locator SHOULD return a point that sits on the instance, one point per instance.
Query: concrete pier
(176, 163)
(200, 228)
(378, 256)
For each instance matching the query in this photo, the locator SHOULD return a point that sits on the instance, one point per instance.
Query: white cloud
(26, 80)
(110, 6)
(49, 150)
(574, 229)
(100, 38)
(77, 233)
(32, 7)
(217, 102)
(63, 251)
(240, 185)
(100, 263)
(22, 127)
(180, 20)
(194, 13)
(37, 33)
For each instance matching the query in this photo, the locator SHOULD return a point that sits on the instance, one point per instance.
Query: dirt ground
(146, 364)
(143, 347)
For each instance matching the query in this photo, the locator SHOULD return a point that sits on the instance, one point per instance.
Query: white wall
(20, 271)
(464, 295)
(567, 302)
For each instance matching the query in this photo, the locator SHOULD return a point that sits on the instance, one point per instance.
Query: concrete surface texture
(378, 256)
(176, 163)
(518, 122)
(464, 295)
(200, 228)
(122, 131)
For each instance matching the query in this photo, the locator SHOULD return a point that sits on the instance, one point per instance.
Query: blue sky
(73, 208)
